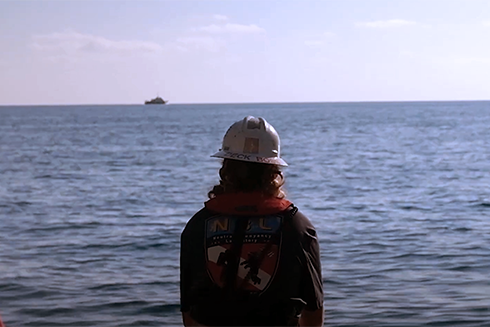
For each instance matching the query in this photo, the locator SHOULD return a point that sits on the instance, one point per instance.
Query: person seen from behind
(249, 257)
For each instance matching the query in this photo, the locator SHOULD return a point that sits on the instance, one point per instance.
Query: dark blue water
(93, 200)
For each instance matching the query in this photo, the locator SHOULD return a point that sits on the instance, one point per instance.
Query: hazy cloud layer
(320, 40)
(464, 60)
(221, 18)
(215, 36)
(230, 28)
(199, 42)
(77, 43)
(314, 43)
(387, 23)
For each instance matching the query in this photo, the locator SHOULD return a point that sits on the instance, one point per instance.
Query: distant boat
(157, 100)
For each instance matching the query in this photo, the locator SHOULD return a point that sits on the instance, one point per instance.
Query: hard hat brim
(247, 157)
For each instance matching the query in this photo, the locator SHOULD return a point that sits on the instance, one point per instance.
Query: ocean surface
(93, 200)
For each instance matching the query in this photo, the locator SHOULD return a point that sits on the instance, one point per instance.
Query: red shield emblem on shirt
(259, 255)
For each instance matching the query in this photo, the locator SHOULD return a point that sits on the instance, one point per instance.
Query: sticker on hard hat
(251, 145)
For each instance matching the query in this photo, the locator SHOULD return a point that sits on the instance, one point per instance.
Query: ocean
(93, 200)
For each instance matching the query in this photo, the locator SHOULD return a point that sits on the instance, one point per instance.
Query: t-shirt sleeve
(311, 284)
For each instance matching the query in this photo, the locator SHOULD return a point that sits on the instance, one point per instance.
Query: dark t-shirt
(277, 275)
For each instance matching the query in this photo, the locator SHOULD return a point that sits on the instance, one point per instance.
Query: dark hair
(241, 176)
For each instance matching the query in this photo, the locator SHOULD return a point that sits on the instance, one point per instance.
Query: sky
(236, 51)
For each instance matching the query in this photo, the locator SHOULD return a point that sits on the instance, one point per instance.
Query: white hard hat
(252, 140)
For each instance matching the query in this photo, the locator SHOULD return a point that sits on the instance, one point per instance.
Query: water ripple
(93, 200)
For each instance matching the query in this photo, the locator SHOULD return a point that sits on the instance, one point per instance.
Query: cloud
(319, 40)
(71, 43)
(314, 43)
(230, 28)
(387, 23)
(464, 60)
(214, 37)
(487, 23)
(221, 18)
(199, 42)
(407, 54)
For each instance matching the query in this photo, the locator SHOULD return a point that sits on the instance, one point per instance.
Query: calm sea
(93, 200)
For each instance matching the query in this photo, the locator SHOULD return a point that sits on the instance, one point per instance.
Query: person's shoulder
(299, 219)
(201, 214)
(301, 224)
(196, 220)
